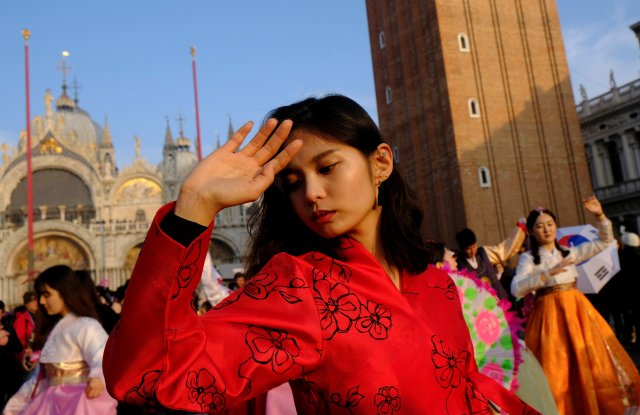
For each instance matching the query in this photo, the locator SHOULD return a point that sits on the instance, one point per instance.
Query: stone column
(631, 168)
(43, 212)
(602, 164)
(634, 145)
(62, 209)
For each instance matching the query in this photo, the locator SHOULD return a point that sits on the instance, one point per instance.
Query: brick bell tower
(475, 98)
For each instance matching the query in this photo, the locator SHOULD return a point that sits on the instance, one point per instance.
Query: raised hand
(229, 177)
(592, 204)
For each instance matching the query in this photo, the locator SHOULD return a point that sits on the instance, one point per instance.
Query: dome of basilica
(79, 126)
(76, 125)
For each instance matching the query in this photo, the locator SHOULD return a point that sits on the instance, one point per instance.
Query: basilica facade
(87, 212)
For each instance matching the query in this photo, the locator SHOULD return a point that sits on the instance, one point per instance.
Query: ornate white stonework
(611, 127)
(87, 212)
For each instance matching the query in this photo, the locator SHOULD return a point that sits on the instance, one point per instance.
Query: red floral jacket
(340, 332)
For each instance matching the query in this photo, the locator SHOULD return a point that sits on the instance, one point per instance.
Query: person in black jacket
(10, 347)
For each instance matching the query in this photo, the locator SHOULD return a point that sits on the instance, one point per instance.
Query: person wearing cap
(488, 261)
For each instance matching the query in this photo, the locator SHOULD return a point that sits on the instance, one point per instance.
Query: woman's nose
(313, 190)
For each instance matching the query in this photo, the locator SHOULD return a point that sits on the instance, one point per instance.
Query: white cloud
(596, 48)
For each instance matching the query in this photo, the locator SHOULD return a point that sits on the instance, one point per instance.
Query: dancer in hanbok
(588, 369)
(69, 379)
(342, 302)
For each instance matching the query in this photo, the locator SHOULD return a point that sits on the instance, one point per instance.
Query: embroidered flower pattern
(258, 286)
(145, 392)
(188, 268)
(448, 364)
(201, 386)
(337, 306)
(374, 319)
(262, 285)
(387, 400)
(447, 285)
(351, 400)
(273, 347)
(478, 402)
(337, 269)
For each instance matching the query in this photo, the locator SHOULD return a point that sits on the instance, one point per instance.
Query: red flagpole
(195, 93)
(30, 270)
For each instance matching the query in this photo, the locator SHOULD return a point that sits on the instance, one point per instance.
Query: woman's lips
(322, 216)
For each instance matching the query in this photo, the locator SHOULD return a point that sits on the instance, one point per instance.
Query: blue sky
(132, 59)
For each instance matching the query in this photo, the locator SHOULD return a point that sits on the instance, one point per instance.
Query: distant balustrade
(619, 189)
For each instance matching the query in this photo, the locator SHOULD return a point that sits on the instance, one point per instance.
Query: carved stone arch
(52, 247)
(58, 193)
(130, 254)
(221, 252)
(137, 182)
(18, 172)
(77, 233)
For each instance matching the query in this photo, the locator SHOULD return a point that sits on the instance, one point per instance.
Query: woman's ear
(382, 163)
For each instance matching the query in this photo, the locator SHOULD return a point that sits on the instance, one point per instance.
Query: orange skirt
(589, 371)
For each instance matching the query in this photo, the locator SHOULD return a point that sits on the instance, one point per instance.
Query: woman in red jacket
(342, 302)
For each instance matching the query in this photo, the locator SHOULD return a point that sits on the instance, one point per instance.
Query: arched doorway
(51, 250)
(222, 253)
(132, 256)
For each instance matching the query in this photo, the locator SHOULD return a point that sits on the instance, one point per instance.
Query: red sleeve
(163, 352)
(23, 329)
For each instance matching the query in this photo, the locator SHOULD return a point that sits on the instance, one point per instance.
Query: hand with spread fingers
(592, 205)
(229, 176)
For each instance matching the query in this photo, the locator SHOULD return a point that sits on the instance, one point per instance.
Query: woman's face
(52, 301)
(544, 230)
(331, 188)
(449, 258)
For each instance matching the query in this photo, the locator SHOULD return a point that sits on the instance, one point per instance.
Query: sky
(132, 61)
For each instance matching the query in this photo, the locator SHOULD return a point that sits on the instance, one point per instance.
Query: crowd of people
(344, 302)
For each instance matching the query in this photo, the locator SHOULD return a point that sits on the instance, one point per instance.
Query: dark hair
(88, 284)
(28, 297)
(76, 299)
(2, 306)
(276, 228)
(465, 238)
(535, 247)
(438, 249)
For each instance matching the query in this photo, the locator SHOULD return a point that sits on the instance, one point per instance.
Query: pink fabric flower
(487, 326)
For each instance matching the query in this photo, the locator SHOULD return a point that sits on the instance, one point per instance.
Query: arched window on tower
(474, 108)
(484, 177)
(382, 40)
(387, 93)
(463, 42)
